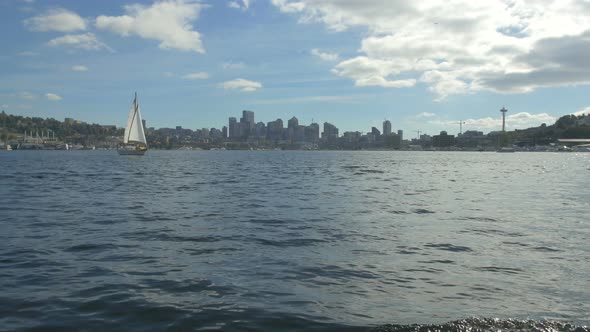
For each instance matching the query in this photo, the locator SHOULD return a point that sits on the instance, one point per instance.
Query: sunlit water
(254, 240)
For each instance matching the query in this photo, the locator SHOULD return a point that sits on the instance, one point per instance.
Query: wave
(487, 324)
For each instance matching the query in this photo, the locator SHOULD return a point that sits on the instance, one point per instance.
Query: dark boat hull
(131, 152)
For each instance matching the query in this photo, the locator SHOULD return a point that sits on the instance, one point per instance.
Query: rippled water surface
(256, 240)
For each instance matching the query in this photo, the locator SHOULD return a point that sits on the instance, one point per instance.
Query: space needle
(503, 110)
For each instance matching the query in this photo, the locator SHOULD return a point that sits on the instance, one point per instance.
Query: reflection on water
(292, 240)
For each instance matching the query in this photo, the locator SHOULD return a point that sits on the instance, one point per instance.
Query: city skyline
(195, 63)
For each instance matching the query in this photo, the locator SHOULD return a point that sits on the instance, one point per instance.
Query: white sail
(134, 130)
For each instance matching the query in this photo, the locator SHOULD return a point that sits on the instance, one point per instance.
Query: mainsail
(134, 129)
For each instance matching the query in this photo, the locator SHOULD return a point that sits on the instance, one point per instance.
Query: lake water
(292, 240)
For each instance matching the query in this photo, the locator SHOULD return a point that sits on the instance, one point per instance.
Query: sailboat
(134, 142)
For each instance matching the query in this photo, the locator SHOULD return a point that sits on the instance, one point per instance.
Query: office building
(375, 132)
(274, 130)
(312, 133)
(443, 140)
(233, 128)
(330, 132)
(386, 128)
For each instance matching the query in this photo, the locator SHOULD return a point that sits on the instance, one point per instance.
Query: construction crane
(418, 131)
(461, 123)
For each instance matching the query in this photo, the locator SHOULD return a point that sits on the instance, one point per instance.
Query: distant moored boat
(134, 142)
(505, 149)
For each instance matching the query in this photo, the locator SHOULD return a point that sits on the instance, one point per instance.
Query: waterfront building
(233, 128)
(473, 139)
(292, 125)
(425, 138)
(215, 134)
(299, 133)
(330, 132)
(312, 133)
(400, 133)
(393, 141)
(260, 130)
(246, 125)
(375, 132)
(224, 132)
(351, 136)
(274, 130)
(386, 128)
(443, 140)
(248, 118)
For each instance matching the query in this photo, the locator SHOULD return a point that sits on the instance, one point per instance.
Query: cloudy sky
(424, 65)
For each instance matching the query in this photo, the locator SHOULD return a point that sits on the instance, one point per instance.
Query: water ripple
(291, 241)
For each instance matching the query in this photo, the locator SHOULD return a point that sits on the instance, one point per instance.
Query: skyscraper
(274, 129)
(292, 125)
(246, 125)
(248, 117)
(330, 131)
(233, 128)
(400, 133)
(312, 133)
(293, 122)
(260, 130)
(386, 128)
(375, 132)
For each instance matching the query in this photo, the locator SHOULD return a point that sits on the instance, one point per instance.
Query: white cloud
(314, 99)
(325, 56)
(371, 72)
(52, 97)
(584, 111)
(196, 76)
(168, 22)
(520, 120)
(380, 81)
(458, 47)
(86, 41)
(61, 20)
(239, 4)
(242, 85)
(27, 95)
(425, 115)
(79, 68)
(289, 7)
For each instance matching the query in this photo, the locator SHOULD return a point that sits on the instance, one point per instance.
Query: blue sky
(352, 63)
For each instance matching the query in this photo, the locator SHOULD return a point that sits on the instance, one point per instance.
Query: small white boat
(506, 150)
(134, 142)
(581, 148)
